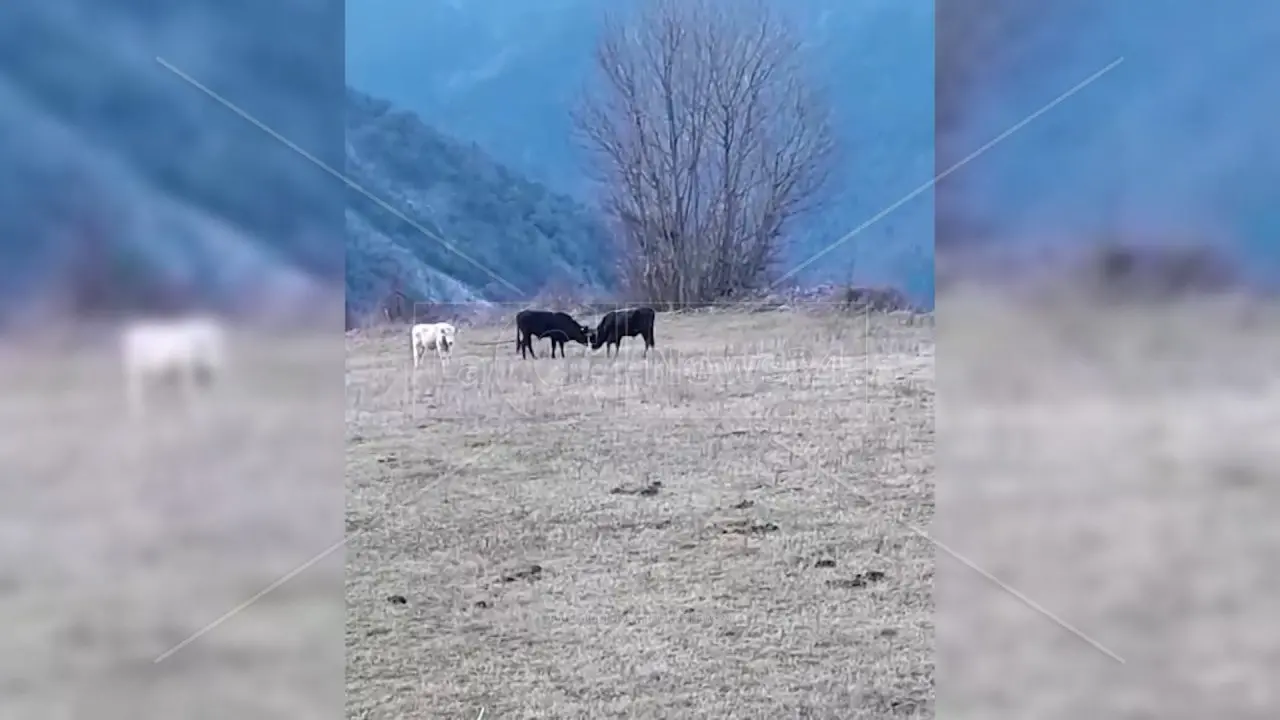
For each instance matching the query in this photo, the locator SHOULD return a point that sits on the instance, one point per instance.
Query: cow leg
(532, 354)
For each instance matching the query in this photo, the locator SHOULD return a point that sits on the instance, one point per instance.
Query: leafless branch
(707, 143)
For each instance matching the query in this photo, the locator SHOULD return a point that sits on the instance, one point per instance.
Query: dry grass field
(1118, 466)
(119, 539)
(722, 529)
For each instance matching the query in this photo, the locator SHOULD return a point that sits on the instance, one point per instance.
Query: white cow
(431, 336)
(191, 350)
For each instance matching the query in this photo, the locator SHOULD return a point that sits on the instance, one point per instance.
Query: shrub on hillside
(873, 299)
(1150, 271)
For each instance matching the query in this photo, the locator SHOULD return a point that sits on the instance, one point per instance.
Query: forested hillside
(510, 226)
(106, 150)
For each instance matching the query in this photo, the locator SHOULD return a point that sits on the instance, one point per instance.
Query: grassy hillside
(751, 567)
(517, 228)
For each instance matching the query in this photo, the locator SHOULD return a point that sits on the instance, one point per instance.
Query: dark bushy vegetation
(1151, 271)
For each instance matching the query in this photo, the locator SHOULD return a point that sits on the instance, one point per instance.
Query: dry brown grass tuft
(715, 531)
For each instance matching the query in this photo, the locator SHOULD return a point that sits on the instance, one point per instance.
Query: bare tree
(707, 144)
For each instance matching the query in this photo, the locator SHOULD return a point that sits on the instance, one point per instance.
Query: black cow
(559, 327)
(624, 323)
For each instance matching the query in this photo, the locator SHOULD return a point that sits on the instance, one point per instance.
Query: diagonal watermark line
(938, 178)
(1017, 594)
(340, 176)
(296, 571)
(237, 609)
(967, 563)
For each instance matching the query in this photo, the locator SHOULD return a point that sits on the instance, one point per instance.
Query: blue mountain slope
(180, 189)
(1179, 141)
(511, 235)
(505, 73)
